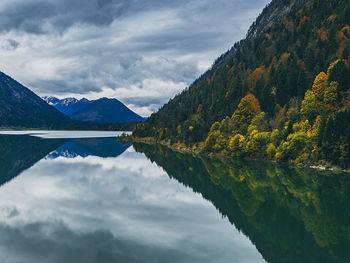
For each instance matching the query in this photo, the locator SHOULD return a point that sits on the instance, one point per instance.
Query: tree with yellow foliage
(320, 85)
(309, 107)
(247, 109)
(236, 145)
(330, 94)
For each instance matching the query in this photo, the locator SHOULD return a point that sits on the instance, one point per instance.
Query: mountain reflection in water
(20, 152)
(101, 147)
(95, 200)
(76, 206)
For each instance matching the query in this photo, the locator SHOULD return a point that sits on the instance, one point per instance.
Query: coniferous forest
(282, 93)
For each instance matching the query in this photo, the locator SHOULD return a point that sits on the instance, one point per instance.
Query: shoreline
(185, 149)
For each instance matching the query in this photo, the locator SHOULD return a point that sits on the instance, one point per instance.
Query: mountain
(282, 93)
(67, 106)
(106, 110)
(20, 107)
(103, 110)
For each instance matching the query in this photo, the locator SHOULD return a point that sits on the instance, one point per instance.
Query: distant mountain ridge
(67, 106)
(104, 110)
(20, 107)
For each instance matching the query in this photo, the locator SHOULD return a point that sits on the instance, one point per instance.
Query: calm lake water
(84, 197)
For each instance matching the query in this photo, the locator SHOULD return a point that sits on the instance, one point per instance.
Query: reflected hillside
(18, 153)
(101, 147)
(291, 214)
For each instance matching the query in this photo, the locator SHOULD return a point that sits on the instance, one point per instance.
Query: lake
(85, 197)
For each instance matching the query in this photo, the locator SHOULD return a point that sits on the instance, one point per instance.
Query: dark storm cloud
(32, 16)
(142, 52)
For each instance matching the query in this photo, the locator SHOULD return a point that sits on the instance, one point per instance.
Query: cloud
(42, 17)
(123, 209)
(141, 52)
(9, 44)
(42, 242)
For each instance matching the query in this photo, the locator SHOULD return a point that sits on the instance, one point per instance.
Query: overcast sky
(141, 52)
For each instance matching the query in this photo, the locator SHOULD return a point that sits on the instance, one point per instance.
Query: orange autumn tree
(256, 75)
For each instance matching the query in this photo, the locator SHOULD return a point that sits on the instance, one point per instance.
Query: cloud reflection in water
(114, 209)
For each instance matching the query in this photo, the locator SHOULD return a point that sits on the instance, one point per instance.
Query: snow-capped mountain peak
(51, 100)
(68, 101)
(67, 106)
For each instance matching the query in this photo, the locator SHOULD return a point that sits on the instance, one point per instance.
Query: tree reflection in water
(291, 214)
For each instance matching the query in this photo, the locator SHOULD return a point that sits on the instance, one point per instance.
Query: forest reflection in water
(97, 200)
(93, 188)
(291, 214)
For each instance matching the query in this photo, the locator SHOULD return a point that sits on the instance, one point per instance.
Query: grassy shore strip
(180, 147)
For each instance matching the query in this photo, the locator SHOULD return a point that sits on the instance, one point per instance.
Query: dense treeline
(317, 128)
(277, 68)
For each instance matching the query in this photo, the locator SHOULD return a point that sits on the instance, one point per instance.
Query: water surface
(66, 134)
(97, 200)
(71, 198)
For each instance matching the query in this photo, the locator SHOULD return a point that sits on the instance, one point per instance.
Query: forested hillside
(282, 93)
